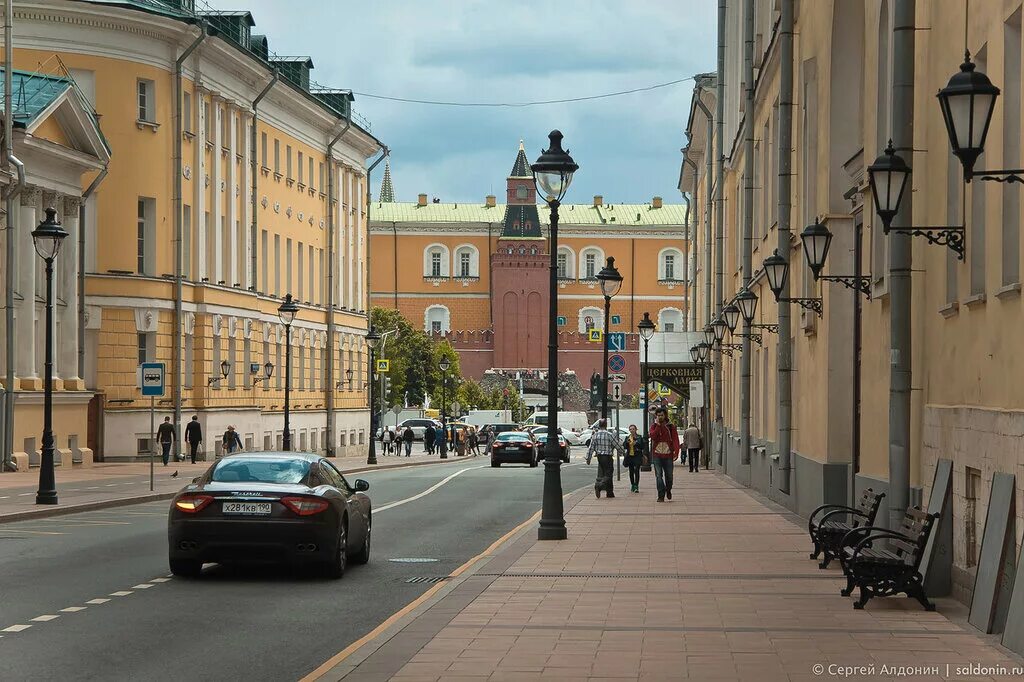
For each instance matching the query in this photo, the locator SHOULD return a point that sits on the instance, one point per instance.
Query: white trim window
(566, 261)
(436, 263)
(590, 318)
(146, 100)
(670, 320)
(591, 259)
(437, 320)
(467, 261)
(670, 265)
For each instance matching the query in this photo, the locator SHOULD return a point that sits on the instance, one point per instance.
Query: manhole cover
(413, 560)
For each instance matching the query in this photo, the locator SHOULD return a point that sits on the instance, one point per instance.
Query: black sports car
(270, 507)
(514, 446)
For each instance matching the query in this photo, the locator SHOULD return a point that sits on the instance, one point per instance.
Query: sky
(512, 52)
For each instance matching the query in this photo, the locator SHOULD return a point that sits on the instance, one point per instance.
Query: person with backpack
(664, 448)
(407, 436)
(694, 443)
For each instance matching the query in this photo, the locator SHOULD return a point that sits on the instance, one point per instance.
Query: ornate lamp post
(776, 269)
(287, 312)
(444, 366)
(611, 282)
(646, 330)
(47, 239)
(372, 339)
(268, 371)
(552, 173)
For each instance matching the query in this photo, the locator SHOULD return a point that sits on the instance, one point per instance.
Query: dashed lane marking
(74, 609)
(142, 586)
(25, 494)
(33, 532)
(16, 628)
(44, 619)
(101, 600)
(121, 593)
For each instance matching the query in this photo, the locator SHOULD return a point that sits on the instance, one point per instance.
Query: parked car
(586, 435)
(542, 439)
(418, 424)
(493, 430)
(568, 420)
(514, 447)
(569, 436)
(277, 506)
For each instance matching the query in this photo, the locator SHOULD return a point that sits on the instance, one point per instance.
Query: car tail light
(498, 445)
(190, 504)
(304, 506)
(529, 445)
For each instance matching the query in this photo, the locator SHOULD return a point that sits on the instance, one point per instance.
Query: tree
(433, 373)
(410, 351)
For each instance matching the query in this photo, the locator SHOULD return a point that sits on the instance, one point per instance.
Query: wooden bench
(829, 524)
(883, 562)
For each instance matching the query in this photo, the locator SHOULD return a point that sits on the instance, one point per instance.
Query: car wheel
(186, 568)
(495, 464)
(364, 554)
(337, 564)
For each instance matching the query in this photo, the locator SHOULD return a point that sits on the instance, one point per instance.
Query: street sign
(664, 390)
(616, 391)
(383, 366)
(396, 409)
(617, 341)
(616, 319)
(254, 368)
(456, 408)
(151, 378)
(562, 321)
(594, 335)
(696, 394)
(617, 377)
(616, 363)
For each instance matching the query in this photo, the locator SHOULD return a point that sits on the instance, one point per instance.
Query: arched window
(436, 262)
(670, 265)
(591, 262)
(670, 320)
(437, 320)
(590, 318)
(467, 261)
(566, 263)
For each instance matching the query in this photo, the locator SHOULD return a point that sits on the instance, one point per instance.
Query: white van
(567, 421)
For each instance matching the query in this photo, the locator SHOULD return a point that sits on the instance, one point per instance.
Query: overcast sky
(489, 51)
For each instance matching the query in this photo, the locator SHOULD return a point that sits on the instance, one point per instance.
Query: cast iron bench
(828, 531)
(883, 562)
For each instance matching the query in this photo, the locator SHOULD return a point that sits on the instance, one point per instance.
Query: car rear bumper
(251, 540)
(512, 457)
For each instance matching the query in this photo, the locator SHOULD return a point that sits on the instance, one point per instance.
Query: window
(288, 265)
(437, 320)
(302, 269)
(140, 249)
(147, 103)
(522, 193)
(972, 490)
(225, 118)
(277, 265)
(311, 272)
(669, 262)
(670, 320)
(265, 255)
(288, 161)
(186, 111)
(186, 237)
(207, 130)
(189, 359)
(435, 263)
(232, 362)
(563, 266)
(323, 179)
(142, 345)
(225, 252)
(310, 178)
(263, 150)
(670, 266)
(302, 173)
(464, 263)
(277, 156)
(590, 318)
(145, 238)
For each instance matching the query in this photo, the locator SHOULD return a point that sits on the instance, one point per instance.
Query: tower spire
(521, 168)
(387, 191)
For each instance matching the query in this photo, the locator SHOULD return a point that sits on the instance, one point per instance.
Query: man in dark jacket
(231, 441)
(428, 439)
(193, 436)
(165, 436)
(407, 437)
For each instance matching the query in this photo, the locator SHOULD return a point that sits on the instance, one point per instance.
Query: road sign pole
(152, 438)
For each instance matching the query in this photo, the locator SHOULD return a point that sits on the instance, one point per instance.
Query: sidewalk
(715, 584)
(114, 484)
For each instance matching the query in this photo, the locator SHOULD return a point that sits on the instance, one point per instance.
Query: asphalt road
(237, 623)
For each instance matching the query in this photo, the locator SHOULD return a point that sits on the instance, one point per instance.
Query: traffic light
(595, 391)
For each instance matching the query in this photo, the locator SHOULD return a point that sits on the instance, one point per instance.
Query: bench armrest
(811, 524)
(851, 538)
(837, 512)
(879, 534)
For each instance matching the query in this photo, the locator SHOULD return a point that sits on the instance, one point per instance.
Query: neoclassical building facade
(478, 273)
(226, 180)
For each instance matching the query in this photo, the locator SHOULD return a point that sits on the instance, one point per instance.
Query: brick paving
(714, 585)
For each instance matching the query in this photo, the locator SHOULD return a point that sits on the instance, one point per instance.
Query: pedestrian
(440, 443)
(636, 452)
(165, 435)
(194, 436)
(407, 437)
(694, 443)
(604, 444)
(460, 441)
(664, 448)
(385, 439)
(429, 435)
(231, 441)
(474, 441)
(451, 437)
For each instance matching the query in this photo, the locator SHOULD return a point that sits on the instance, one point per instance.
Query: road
(238, 623)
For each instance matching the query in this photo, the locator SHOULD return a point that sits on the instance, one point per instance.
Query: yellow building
(967, 400)
(258, 180)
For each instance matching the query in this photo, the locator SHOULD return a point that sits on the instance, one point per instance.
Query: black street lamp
(610, 281)
(444, 365)
(776, 269)
(709, 334)
(816, 239)
(287, 312)
(552, 173)
(47, 239)
(372, 339)
(646, 329)
(268, 371)
(967, 103)
(746, 301)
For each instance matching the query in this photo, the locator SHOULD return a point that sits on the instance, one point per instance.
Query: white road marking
(121, 593)
(97, 601)
(25, 494)
(74, 609)
(34, 532)
(425, 492)
(160, 580)
(43, 619)
(4, 497)
(141, 586)
(16, 628)
(94, 487)
(110, 485)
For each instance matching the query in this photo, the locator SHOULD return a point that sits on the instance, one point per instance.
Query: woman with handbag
(636, 453)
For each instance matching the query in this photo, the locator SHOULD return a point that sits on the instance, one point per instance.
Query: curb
(46, 512)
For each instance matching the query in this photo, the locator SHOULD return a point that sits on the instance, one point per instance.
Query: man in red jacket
(664, 449)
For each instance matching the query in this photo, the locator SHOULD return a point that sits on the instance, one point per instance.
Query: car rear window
(513, 435)
(263, 470)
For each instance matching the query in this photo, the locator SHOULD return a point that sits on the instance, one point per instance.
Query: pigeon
(175, 474)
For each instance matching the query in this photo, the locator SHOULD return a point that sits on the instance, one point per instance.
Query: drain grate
(664, 576)
(428, 579)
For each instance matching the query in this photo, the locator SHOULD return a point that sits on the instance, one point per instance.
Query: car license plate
(251, 508)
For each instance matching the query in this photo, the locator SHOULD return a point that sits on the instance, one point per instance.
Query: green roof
(32, 93)
(569, 214)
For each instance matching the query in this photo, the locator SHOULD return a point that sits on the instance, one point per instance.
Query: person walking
(429, 435)
(407, 436)
(388, 436)
(231, 441)
(604, 444)
(461, 438)
(451, 437)
(474, 441)
(636, 452)
(165, 436)
(193, 436)
(664, 448)
(440, 443)
(694, 443)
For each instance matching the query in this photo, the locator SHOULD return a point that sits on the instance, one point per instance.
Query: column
(246, 199)
(67, 265)
(233, 275)
(216, 268)
(350, 260)
(199, 171)
(25, 300)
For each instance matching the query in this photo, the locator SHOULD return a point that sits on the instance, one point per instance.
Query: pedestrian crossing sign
(383, 366)
(594, 335)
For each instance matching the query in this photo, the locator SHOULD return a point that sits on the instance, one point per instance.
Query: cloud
(486, 51)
